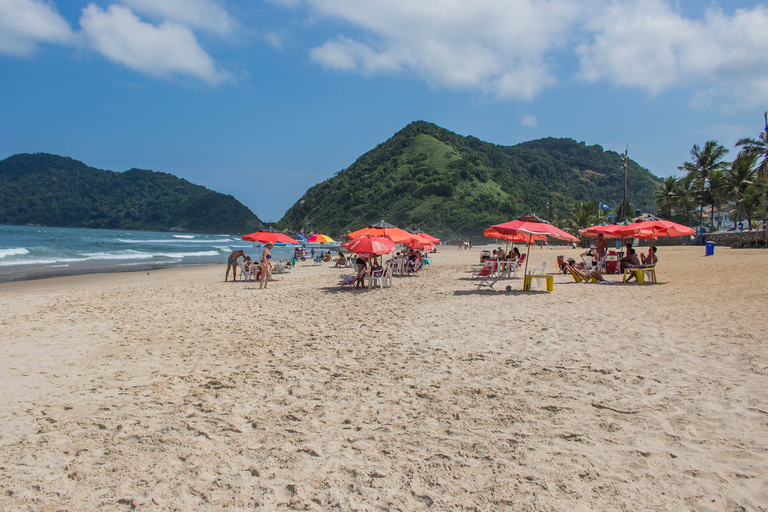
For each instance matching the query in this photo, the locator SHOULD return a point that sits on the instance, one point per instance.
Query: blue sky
(263, 99)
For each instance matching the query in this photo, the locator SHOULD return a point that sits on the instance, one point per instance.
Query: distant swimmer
(232, 263)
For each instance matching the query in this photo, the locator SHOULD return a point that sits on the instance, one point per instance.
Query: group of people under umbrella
(367, 243)
(381, 238)
(530, 229)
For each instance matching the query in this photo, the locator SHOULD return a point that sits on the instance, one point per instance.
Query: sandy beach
(173, 390)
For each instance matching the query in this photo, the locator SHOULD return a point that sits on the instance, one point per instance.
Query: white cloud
(651, 46)
(25, 23)
(499, 48)
(197, 14)
(165, 50)
(512, 49)
(530, 121)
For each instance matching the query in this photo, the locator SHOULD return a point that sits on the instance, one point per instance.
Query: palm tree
(749, 204)
(718, 189)
(666, 197)
(759, 148)
(741, 175)
(686, 196)
(583, 215)
(703, 162)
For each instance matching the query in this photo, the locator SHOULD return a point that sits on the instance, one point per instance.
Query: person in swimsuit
(266, 265)
(232, 263)
(362, 265)
(601, 247)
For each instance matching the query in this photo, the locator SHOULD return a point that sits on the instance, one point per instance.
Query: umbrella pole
(527, 257)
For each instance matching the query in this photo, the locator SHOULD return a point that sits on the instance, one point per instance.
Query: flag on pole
(604, 206)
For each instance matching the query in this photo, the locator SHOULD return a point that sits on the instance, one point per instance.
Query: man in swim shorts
(232, 263)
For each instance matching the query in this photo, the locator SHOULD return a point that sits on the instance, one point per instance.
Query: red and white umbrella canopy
(532, 225)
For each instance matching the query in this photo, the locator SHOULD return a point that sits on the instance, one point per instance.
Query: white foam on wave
(173, 241)
(121, 256)
(183, 236)
(15, 251)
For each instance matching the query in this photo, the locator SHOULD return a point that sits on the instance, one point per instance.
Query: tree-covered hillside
(449, 185)
(51, 190)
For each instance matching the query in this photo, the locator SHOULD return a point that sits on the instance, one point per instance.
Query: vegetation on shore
(430, 178)
(712, 182)
(51, 190)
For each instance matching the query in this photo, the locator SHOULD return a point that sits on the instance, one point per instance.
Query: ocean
(29, 252)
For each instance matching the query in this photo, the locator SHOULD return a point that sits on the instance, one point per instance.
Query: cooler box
(612, 263)
(710, 248)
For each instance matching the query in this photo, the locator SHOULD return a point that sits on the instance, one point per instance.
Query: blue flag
(604, 206)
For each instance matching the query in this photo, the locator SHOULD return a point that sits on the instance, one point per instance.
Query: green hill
(51, 190)
(449, 185)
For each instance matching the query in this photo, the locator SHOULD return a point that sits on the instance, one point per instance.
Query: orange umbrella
(386, 230)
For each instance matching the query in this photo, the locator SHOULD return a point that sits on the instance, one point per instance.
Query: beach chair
(245, 273)
(520, 263)
(382, 277)
(491, 280)
(351, 280)
(577, 277)
(612, 263)
(537, 273)
(485, 271)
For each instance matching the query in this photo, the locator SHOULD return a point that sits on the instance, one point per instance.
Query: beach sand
(172, 390)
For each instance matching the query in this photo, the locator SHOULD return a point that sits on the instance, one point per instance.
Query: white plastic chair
(537, 271)
(244, 274)
(381, 277)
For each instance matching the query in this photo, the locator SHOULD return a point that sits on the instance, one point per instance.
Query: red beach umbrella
(266, 237)
(531, 225)
(370, 244)
(659, 228)
(605, 229)
(518, 237)
(384, 229)
(429, 237)
(419, 246)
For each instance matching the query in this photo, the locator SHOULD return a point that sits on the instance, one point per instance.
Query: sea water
(30, 252)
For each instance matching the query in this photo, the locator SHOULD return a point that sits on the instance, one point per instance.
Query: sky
(262, 99)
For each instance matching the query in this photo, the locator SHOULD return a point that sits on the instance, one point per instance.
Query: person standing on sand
(601, 248)
(266, 265)
(232, 262)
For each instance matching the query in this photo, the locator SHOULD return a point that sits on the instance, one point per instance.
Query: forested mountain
(51, 190)
(449, 185)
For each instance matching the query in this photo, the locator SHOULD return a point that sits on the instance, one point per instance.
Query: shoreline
(52, 273)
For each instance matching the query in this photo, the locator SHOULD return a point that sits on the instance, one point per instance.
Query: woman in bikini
(266, 265)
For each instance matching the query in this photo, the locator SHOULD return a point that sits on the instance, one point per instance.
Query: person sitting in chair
(341, 261)
(630, 260)
(651, 259)
(587, 274)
